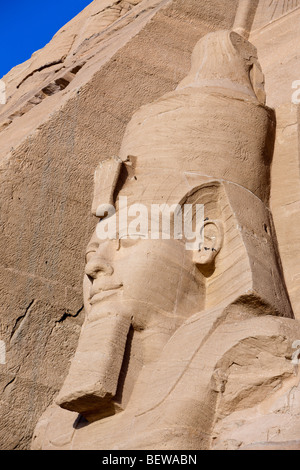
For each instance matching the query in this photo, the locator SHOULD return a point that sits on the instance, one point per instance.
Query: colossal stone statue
(172, 336)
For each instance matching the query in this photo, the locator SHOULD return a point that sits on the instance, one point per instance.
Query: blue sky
(27, 25)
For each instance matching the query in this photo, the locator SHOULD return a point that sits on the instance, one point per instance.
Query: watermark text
(296, 94)
(160, 221)
(2, 353)
(296, 354)
(2, 92)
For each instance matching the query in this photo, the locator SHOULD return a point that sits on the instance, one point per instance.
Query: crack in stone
(10, 382)
(55, 62)
(20, 319)
(66, 315)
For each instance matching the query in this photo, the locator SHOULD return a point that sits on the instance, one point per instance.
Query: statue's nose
(98, 265)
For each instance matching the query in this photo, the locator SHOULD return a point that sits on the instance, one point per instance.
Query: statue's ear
(211, 245)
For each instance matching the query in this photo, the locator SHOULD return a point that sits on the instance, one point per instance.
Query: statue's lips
(103, 294)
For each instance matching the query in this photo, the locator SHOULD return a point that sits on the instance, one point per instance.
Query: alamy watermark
(296, 354)
(2, 353)
(2, 92)
(160, 222)
(296, 94)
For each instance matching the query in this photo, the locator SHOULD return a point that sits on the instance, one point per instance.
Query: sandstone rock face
(66, 110)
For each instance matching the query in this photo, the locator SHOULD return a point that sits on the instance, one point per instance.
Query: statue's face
(148, 280)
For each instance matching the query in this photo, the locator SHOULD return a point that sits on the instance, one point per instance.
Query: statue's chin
(109, 303)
